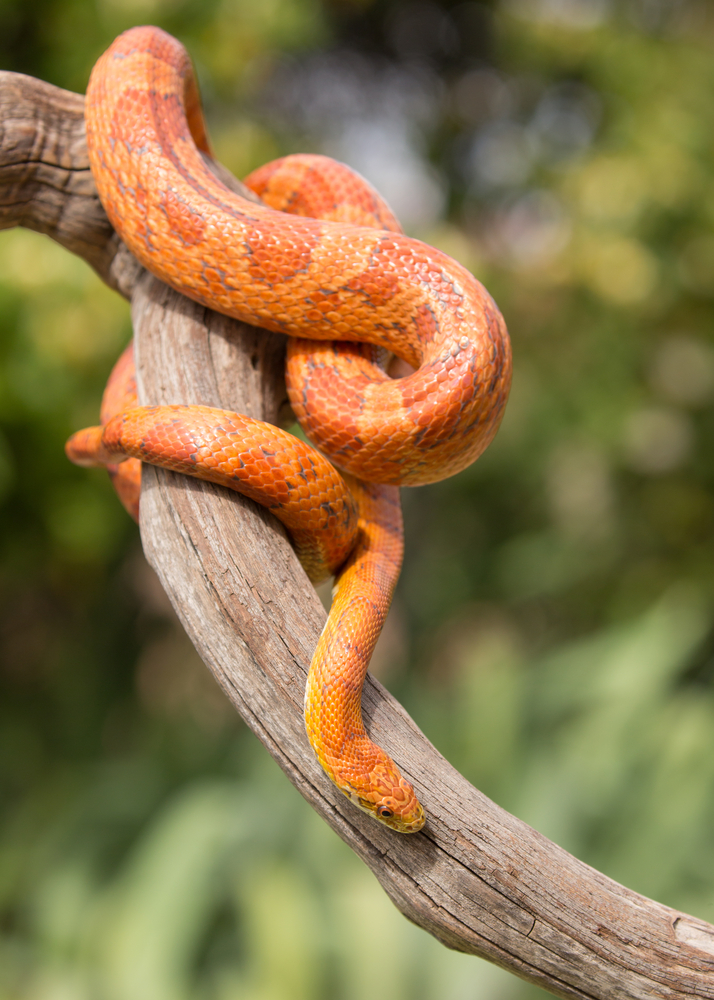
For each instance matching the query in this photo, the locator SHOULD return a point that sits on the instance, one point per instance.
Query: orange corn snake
(323, 260)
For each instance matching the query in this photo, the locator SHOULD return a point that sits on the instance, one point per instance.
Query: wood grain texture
(476, 877)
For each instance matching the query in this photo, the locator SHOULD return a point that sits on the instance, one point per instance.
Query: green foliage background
(553, 629)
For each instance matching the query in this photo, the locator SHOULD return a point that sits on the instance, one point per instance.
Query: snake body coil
(323, 260)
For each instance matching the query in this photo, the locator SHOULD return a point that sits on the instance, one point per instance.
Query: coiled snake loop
(320, 257)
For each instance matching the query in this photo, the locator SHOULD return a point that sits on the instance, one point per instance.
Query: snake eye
(384, 812)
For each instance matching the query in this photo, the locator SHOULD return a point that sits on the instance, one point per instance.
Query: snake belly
(340, 285)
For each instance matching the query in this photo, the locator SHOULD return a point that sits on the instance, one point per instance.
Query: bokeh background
(553, 631)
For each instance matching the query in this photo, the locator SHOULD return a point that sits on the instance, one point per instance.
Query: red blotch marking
(425, 324)
(337, 403)
(277, 256)
(422, 265)
(132, 117)
(189, 226)
(379, 284)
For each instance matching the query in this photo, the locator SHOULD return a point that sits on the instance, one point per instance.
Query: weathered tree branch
(476, 878)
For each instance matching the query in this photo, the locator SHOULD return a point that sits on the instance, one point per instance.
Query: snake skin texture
(323, 260)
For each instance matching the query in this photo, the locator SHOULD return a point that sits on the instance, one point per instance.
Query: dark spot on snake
(384, 812)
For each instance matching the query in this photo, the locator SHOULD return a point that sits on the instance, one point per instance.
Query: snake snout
(399, 808)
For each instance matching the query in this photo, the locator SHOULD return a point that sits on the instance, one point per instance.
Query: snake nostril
(384, 812)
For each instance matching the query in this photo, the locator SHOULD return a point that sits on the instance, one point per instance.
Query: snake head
(397, 816)
(391, 800)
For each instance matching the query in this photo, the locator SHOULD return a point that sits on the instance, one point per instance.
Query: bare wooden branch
(476, 877)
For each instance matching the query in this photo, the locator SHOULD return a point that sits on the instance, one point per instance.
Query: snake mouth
(408, 824)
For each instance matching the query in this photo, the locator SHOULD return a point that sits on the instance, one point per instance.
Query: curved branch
(476, 877)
